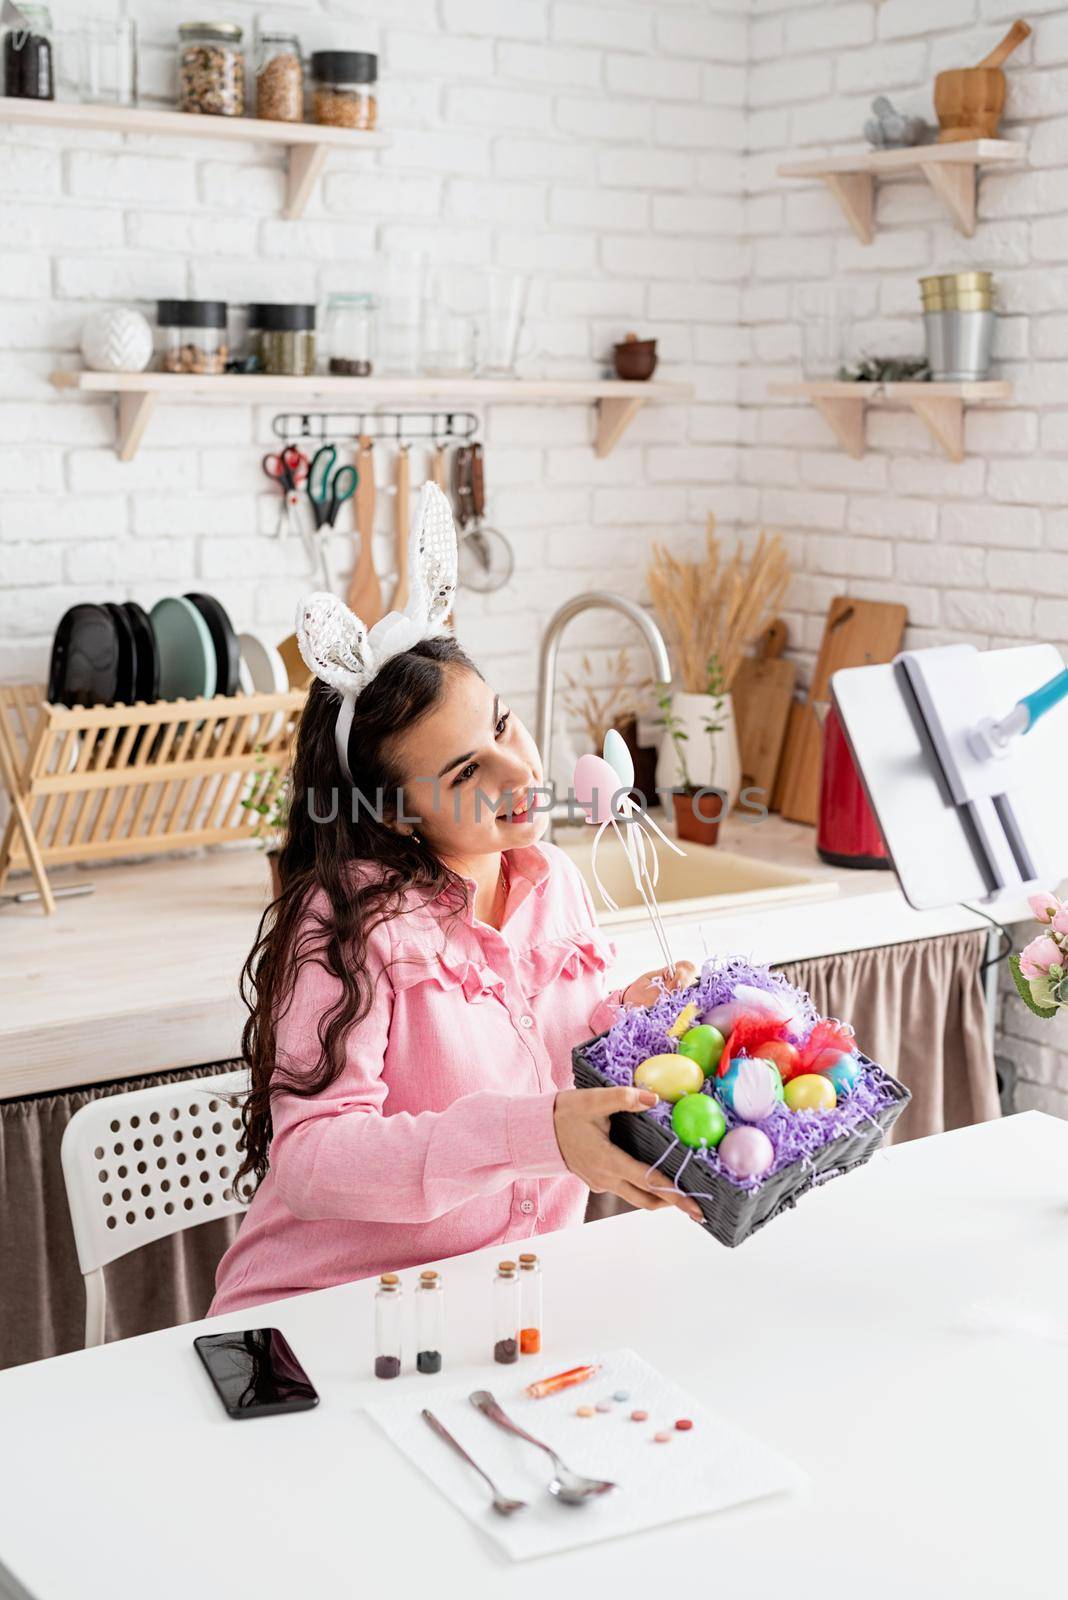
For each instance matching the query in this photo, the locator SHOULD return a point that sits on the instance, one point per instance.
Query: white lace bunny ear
(333, 642)
(432, 560)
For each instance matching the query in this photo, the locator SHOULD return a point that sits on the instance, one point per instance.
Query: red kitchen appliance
(847, 834)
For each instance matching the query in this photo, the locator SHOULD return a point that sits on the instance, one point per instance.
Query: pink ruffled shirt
(438, 1136)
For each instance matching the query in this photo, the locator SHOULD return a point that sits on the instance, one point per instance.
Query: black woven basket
(732, 1214)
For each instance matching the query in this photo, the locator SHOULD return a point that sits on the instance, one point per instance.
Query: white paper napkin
(709, 1468)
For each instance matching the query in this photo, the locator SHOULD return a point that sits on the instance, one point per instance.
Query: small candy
(603, 1405)
(683, 1021)
(669, 1076)
(747, 1152)
(584, 1411)
(704, 1045)
(639, 1416)
(811, 1092)
(684, 1425)
(621, 1394)
(662, 1438)
(844, 1074)
(698, 1121)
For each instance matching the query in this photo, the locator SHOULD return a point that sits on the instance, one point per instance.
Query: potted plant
(268, 800)
(699, 808)
(712, 609)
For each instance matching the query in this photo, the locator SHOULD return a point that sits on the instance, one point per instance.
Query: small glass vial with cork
(388, 1326)
(529, 1305)
(506, 1313)
(429, 1322)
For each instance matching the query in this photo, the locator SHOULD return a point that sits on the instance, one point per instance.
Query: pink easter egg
(594, 783)
(746, 1152)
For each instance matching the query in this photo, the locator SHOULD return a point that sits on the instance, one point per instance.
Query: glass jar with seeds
(279, 78)
(211, 69)
(345, 82)
(287, 340)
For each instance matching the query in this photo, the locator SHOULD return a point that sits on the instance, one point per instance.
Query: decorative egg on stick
(602, 786)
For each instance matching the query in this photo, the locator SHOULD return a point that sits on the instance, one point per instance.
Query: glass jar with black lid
(193, 335)
(286, 344)
(29, 67)
(345, 82)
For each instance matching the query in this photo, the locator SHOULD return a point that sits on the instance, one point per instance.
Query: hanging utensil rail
(396, 427)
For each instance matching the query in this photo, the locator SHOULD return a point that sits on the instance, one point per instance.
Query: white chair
(144, 1165)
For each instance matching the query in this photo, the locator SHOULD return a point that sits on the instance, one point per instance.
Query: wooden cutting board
(763, 692)
(858, 633)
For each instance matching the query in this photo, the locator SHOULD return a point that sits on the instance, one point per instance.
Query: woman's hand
(581, 1122)
(645, 991)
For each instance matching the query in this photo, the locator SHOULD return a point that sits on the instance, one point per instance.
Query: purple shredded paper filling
(795, 1135)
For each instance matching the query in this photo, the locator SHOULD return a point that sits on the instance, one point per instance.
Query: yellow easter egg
(810, 1092)
(683, 1021)
(669, 1076)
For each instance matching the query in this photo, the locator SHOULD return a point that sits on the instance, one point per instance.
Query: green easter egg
(703, 1044)
(698, 1121)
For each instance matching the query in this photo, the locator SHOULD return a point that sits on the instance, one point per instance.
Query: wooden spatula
(365, 591)
(401, 525)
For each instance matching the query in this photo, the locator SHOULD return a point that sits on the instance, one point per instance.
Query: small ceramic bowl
(635, 359)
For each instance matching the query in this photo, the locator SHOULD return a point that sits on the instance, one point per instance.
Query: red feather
(748, 1033)
(828, 1040)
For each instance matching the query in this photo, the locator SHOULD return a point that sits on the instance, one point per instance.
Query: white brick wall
(562, 138)
(876, 525)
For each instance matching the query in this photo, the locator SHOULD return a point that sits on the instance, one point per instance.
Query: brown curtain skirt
(920, 1012)
(42, 1301)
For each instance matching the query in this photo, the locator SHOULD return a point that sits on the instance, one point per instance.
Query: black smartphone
(255, 1373)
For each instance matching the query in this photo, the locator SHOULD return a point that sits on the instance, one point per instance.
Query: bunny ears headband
(336, 646)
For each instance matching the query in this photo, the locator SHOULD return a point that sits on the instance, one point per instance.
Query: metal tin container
(959, 344)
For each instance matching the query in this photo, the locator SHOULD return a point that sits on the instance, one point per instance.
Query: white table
(839, 1334)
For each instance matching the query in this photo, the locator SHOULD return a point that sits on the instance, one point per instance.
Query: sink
(705, 879)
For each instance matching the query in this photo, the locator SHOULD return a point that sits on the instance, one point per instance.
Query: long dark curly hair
(318, 855)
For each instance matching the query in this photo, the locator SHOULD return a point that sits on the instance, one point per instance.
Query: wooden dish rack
(94, 784)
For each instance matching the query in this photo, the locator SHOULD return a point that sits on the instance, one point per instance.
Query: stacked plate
(118, 654)
(958, 319)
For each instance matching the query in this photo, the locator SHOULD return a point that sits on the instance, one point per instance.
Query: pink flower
(1037, 957)
(1043, 905)
(1060, 921)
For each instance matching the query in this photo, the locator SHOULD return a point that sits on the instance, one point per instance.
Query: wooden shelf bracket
(955, 184)
(614, 417)
(306, 163)
(855, 193)
(943, 417)
(845, 417)
(135, 408)
(939, 406)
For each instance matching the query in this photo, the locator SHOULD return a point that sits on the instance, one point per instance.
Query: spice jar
(349, 334)
(28, 57)
(345, 88)
(388, 1326)
(287, 340)
(193, 335)
(429, 1322)
(530, 1309)
(211, 69)
(506, 1313)
(279, 78)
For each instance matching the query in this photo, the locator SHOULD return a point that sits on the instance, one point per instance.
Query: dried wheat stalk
(599, 711)
(711, 609)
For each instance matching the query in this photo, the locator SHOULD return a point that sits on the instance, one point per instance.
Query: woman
(418, 986)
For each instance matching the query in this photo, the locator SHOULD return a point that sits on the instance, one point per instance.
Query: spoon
(501, 1502)
(569, 1487)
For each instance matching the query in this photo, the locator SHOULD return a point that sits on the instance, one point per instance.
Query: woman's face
(468, 768)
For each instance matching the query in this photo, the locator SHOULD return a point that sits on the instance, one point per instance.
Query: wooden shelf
(940, 406)
(137, 393)
(952, 170)
(307, 144)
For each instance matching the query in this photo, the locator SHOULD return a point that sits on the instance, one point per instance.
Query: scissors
(326, 489)
(288, 469)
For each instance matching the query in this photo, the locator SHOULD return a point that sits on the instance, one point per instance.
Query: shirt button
(526, 1022)
(526, 1206)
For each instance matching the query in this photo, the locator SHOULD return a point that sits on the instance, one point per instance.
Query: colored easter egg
(683, 1022)
(727, 1085)
(703, 1044)
(757, 1090)
(698, 1121)
(811, 1092)
(783, 1055)
(746, 1152)
(669, 1076)
(844, 1074)
(619, 758)
(595, 783)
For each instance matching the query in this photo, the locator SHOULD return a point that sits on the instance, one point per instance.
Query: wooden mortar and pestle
(969, 100)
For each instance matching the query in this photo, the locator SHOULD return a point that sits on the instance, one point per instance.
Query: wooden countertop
(142, 976)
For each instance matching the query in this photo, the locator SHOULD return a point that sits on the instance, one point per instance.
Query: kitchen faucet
(595, 600)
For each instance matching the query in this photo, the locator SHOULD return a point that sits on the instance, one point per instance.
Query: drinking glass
(107, 60)
(826, 313)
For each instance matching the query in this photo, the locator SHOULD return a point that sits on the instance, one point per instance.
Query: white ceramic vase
(714, 761)
(117, 340)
